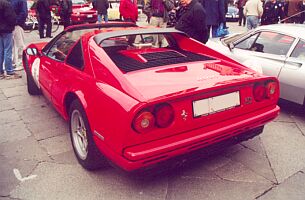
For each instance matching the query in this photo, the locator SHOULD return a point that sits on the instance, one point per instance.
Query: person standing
(65, 11)
(302, 10)
(273, 12)
(192, 20)
(240, 5)
(215, 14)
(253, 10)
(44, 18)
(7, 25)
(101, 6)
(21, 10)
(293, 11)
(129, 10)
(158, 10)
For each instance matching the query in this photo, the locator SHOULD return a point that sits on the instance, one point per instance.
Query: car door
(46, 75)
(73, 78)
(292, 75)
(52, 65)
(265, 48)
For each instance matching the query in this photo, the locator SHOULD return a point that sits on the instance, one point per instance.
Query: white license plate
(89, 16)
(216, 104)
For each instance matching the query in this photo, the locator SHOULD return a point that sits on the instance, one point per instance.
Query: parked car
(82, 12)
(137, 104)
(113, 10)
(232, 14)
(275, 50)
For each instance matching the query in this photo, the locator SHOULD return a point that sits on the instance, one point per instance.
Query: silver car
(275, 50)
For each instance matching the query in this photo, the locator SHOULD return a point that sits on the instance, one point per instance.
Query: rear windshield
(141, 51)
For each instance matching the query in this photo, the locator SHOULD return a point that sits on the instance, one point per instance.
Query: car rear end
(83, 15)
(197, 119)
(186, 101)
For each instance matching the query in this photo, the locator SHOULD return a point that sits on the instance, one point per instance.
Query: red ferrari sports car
(137, 96)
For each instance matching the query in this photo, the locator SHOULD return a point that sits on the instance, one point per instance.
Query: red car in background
(137, 102)
(82, 12)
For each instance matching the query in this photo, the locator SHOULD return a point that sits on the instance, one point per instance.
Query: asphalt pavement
(37, 160)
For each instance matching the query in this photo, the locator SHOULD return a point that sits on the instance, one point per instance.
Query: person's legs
(41, 24)
(255, 22)
(1, 56)
(244, 20)
(49, 27)
(209, 30)
(154, 21)
(106, 18)
(214, 31)
(240, 16)
(8, 49)
(18, 45)
(249, 22)
(65, 20)
(99, 18)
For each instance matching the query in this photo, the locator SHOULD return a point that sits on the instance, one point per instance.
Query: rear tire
(83, 145)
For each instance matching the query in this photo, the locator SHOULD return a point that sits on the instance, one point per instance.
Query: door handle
(293, 65)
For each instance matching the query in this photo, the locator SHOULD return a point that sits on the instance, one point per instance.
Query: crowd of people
(200, 19)
(13, 14)
(256, 12)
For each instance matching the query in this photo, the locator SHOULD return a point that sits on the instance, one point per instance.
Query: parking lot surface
(37, 160)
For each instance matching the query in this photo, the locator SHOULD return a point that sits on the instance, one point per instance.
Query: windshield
(232, 10)
(78, 2)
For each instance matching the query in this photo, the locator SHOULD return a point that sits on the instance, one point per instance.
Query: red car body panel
(112, 99)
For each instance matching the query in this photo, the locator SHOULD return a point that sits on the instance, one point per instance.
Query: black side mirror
(230, 46)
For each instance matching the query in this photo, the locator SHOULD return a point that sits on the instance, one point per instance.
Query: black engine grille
(128, 64)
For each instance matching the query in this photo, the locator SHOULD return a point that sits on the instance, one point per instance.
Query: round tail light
(271, 88)
(259, 92)
(164, 115)
(144, 122)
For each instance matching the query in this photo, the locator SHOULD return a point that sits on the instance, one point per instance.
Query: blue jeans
(252, 22)
(99, 17)
(214, 30)
(6, 50)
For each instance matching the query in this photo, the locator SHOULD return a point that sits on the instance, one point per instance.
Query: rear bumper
(238, 129)
(77, 19)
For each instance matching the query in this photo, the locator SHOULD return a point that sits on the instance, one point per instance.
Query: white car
(275, 50)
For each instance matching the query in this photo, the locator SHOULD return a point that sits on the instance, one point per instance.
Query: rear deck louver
(155, 59)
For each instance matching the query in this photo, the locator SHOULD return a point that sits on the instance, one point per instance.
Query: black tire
(93, 159)
(31, 85)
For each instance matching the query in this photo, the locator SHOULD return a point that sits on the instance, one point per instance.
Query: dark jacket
(302, 8)
(272, 13)
(192, 22)
(101, 6)
(7, 17)
(21, 10)
(43, 9)
(215, 12)
(65, 8)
